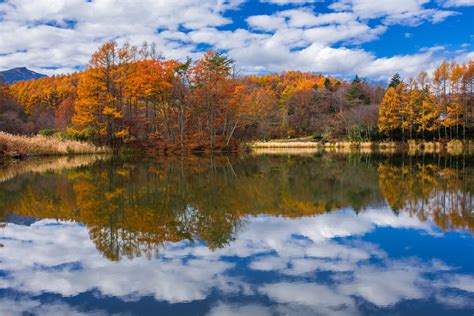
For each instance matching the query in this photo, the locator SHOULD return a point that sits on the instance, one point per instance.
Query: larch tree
(441, 77)
(405, 109)
(468, 96)
(428, 117)
(389, 113)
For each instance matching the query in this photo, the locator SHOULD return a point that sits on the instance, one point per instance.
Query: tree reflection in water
(131, 208)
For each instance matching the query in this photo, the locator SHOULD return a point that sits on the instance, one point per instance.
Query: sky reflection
(334, 263)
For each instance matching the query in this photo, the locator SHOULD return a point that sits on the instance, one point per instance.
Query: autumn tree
(130, 94)
(357, 94)
(103, 109)
(212, 87)
(47, 102)
(389, 113)
(467, 90)
(12, 116)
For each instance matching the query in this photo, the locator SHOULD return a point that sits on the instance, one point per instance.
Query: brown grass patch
(15, 145)
(284, 145)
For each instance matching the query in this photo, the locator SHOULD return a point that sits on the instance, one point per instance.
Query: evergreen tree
(356, 94)
(395, 81)
(327, 84)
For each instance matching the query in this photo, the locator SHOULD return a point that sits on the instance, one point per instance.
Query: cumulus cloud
(223, 309)
(410, 12)
(283, 2)
(63, 34)
(456, 3)
(59, 37)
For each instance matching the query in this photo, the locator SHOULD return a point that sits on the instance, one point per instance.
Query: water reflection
(256, 235)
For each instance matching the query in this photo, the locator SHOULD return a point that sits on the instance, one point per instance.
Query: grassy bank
(22, 146)
(452, 147)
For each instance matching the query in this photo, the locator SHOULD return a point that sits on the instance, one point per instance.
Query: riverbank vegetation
(130, 96)
(39, 145)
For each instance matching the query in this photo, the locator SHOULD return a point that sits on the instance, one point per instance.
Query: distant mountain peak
(19, 73)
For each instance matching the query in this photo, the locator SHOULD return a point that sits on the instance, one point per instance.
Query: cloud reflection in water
(321, 264)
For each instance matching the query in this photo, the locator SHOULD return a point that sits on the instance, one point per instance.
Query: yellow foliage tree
(389, 113)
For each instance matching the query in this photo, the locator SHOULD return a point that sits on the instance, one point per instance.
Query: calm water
(263, 235)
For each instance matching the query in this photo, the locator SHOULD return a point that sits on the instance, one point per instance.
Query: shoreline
(452, 147)
(19, 146)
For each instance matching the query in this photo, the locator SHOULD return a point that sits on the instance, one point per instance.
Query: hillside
(17, 74)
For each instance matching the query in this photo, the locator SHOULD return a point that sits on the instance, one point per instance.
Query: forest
(130, 95)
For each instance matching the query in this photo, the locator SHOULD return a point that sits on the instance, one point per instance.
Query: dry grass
(284, 145)
(387, 145)
(413, 147)
(316, 145)
(285, 151)
(14, 145)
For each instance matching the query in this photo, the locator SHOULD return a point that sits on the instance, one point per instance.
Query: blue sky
(373, 38)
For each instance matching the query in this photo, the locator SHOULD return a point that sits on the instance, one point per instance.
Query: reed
(284, 145)
(18, 146)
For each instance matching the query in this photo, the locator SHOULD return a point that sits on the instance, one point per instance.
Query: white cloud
(304, 18)
(59, 37)
(414, 18)
(283, 2)
(408, 12)
(457, 3)
(266, 22)
(40, 34)
(223, 309)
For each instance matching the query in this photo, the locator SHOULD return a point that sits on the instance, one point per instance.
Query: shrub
(46, 132)
(291, 133)
(327, 135)
(318, 136)
(355, 135)
(456, 143)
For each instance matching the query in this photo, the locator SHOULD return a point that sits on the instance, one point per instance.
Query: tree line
(131, 95)
(435, 108)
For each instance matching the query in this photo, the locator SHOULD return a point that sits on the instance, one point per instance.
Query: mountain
(378, 83)
(17, 74)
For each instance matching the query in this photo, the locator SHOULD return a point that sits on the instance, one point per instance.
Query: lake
(314, 234)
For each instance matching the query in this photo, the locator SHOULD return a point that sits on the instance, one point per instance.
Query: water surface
(255, 235)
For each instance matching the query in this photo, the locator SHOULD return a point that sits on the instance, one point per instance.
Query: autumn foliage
(129, 95)
(438, 108)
